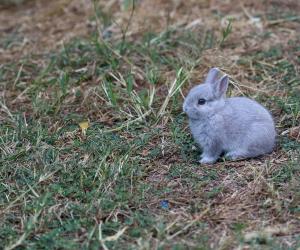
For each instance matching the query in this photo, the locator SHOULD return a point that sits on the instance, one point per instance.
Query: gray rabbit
(238, 126)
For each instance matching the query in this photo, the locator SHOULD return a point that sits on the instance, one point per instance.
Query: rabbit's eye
(201, 101)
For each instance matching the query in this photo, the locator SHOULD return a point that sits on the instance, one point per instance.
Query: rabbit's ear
(212, 75)
(221, 85)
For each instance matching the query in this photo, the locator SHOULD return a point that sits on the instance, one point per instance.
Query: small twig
(140, 118)
(6, 110)
(190, 224)
(236, 85)
(283, 20)
(20, 95)
(18, 75)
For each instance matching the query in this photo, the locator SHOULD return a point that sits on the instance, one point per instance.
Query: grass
(130, 179)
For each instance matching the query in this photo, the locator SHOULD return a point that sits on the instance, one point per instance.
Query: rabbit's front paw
(208, 160)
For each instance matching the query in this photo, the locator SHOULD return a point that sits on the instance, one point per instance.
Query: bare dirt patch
(35, 27)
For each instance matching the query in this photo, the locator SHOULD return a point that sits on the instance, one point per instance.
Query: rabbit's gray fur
(238, 126)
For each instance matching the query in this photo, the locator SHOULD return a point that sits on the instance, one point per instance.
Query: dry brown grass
(241, 192)
(42, 26)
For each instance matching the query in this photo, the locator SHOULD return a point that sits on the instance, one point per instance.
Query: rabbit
(238, 126)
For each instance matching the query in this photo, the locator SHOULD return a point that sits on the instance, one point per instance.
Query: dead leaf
(295, 133)
(84, 126)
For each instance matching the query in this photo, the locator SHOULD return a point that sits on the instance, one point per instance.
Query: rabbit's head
(206, 99)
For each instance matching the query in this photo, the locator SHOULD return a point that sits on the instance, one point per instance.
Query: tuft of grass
(226, 32)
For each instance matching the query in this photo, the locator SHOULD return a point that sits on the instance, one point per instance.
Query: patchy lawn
(95, 151)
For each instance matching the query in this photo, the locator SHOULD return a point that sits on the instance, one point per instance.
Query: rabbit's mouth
(188, 112)
(192, 116)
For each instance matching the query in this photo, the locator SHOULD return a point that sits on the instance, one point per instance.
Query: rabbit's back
(248, 122)
(246, 111)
